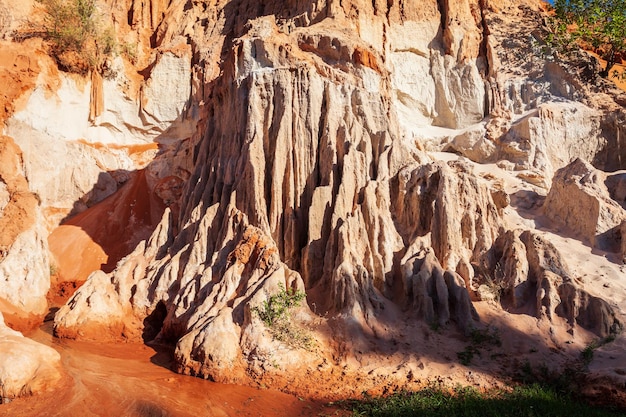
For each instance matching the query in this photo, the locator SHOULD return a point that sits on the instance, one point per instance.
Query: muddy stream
(135, 380)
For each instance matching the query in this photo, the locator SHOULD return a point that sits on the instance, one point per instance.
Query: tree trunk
(610, 62)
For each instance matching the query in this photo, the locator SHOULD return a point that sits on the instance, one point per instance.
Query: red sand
(133, 380)
(103, 234)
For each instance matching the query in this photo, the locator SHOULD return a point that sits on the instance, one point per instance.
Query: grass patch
(523, 401)
(587, 353)
(275, 313)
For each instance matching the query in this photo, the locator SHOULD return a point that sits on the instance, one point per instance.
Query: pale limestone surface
(25, 273)
(125, 120)
(26, 366)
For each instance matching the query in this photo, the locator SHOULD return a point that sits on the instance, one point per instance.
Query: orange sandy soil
(19, 69)
(139, 153)
(134, 380)
(18, 320)
(103, 234)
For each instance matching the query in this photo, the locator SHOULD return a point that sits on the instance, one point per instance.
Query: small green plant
(275, 314)
(276, 307)
(495, 281)
(130, 51)
(566, 380)
(526, 374)
(466, 356)
(479, 339)
(586, 355)
(435, 326)
(489, 336)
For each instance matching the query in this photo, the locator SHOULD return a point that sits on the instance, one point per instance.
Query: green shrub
(76, 40)
(275, 314)
(129, 50)
(276, 307)
(599, 24)
(466, 356)
(587, 353)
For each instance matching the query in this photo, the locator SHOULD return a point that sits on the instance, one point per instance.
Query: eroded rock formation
(310, 173)
(295, 145)
(581, 200)
(23, 254)
(532, 276)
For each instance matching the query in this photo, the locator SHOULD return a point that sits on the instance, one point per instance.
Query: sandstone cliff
(301, 149)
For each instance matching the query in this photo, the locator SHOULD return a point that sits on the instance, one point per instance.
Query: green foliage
(275, 314)
(489, 336)
(277, 306)
(494, 281)
(129, 50)
(69, 23)
(565, 382)
(465, 356)
(479, 339)
(522, 401)
(600, 24)
(587, 353)
(76, 39)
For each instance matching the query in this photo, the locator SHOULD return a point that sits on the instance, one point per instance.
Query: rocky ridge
(314, 166)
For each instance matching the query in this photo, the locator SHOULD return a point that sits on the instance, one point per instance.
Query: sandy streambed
(128, 379)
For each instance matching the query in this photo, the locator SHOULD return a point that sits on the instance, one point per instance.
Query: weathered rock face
(26, 367)
(120, 118)
(71, 176)
(452, 208)
(434, 51)
(307, 175)
(435, 295)
(531, 276)
(24, 273)
(298, 130)
(74, 158)
(292, 186)
(77, 142)
(551, 137)
(541, 113)
(580, 201)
